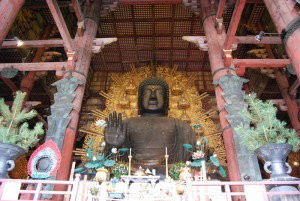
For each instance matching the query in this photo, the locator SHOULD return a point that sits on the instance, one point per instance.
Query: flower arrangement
(202, 152)
(97, 160)
(96, 156)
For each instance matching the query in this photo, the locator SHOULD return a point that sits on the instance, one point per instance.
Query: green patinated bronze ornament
(9, 72)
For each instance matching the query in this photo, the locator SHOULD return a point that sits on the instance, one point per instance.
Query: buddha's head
(153, 96)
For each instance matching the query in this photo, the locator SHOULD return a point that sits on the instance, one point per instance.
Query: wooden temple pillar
(215, 43)
(7, 19)
(8, 13)
(285, 16)
(292, 106)
(83, 47)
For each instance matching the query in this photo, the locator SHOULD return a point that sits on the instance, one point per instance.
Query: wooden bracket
(201, 42)
(220, 25)
(80, 27)
(99, 43)
(71, 60)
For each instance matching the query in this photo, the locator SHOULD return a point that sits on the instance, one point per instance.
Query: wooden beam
(80, 18)
(9, 83)
(33, 43)
(220, 10)
(60, 42)
(8, 13)
(252, 40)
(40, 66)
(77, 10)
(261, 63)
(138, 2)
(235, 20)
(61, 25)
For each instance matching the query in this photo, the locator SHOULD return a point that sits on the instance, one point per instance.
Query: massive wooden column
(8, 13)
(292, 105)
(283, 14)
(83, 47)
(215, 44)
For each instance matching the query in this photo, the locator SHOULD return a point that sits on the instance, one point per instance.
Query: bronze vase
(9, 153)
(274, 157)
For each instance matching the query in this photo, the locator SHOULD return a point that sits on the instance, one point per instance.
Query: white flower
(114, 150)
(101, 123)
(103, 144)
(198, 155)
(198, 142)
(94, 158)
(188, 163)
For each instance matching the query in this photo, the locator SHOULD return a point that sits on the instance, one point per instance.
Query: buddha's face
(153, 98)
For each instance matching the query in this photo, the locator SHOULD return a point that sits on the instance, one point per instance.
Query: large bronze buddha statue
(149, 134)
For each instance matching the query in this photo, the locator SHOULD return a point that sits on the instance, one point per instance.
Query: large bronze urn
(274, 158)
(9, 153)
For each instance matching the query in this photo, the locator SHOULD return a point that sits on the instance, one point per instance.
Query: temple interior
(107, 43)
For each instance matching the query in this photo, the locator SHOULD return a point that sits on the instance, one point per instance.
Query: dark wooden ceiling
(149, 33)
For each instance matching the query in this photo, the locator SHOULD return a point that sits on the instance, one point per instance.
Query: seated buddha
(153, 131)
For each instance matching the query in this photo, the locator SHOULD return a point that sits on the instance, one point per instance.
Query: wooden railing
(250, 191)
(20, 189)
(15, 189)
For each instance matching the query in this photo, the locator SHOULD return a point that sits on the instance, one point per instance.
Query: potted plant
(94, 191)
(15, 135)
(268, 137)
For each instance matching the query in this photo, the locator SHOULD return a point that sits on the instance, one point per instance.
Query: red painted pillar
(8, 13)
(292, 105)
(215, 43)
(283, 12)
(84, 54)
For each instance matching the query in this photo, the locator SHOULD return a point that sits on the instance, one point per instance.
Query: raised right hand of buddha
(115, 131)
